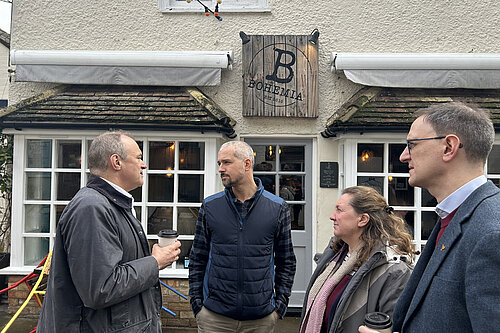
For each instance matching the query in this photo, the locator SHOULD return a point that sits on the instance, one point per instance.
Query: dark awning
(374, 109)
(123, 107)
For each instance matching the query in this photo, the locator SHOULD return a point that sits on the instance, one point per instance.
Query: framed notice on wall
(280, 76)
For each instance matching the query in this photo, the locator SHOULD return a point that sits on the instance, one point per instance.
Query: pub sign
(280, 76)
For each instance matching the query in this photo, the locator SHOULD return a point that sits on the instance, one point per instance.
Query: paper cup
(167, 237)
(378, 321)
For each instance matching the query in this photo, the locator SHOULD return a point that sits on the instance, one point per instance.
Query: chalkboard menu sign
(329, 174)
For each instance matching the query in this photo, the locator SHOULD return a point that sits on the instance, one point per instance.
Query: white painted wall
(345, 26)
(4, 75)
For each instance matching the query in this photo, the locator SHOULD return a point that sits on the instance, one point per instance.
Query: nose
(405, 155)
(221, 169)
(332, 217)
(143, 165)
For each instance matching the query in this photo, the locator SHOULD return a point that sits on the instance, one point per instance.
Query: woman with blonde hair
(364, 268)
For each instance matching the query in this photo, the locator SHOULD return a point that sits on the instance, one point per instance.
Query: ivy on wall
(6, 151)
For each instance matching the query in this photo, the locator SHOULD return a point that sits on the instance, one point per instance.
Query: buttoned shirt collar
(454, 200)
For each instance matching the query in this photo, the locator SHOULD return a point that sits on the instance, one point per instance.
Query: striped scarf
(322, 288)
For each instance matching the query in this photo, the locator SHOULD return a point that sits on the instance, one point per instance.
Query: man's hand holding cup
(168, 248)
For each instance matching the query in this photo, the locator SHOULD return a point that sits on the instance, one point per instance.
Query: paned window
(281, 168)
(376, 164)
(53, 170)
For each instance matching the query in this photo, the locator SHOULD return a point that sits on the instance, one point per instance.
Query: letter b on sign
(278, 63)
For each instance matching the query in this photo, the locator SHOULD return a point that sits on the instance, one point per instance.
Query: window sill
(11, 270)
(164, 274)
(174, 274)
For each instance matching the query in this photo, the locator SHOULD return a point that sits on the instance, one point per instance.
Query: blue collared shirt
(454, 200)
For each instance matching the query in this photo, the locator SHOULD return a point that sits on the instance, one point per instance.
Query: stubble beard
(229, 182)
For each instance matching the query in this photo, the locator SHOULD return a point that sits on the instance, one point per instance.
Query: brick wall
(18, 295)
(184, 316)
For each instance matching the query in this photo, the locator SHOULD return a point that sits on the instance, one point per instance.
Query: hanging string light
(208, 10)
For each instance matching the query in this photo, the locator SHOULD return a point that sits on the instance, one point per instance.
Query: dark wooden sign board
(280, 76)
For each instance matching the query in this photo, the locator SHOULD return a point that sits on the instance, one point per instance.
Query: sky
(5, 16)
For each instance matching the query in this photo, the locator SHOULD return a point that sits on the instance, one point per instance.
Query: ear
(248, 164)
(452, 145)
(114, 162)
(363, 220)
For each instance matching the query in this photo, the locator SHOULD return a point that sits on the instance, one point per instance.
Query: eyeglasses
(409, 144)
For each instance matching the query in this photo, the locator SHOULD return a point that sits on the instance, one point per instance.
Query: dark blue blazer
(455, 286)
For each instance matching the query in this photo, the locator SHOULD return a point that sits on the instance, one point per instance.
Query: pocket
(201, 317)
(119, 314)
(143, 326)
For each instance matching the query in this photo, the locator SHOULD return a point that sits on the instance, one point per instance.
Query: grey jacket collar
(109, 192)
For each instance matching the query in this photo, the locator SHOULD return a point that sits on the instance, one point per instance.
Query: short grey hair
(242, 150)
(103, 147)
(471, 124)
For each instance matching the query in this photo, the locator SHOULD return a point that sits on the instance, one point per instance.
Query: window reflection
(59, 211)
(69, 154)
(494, 160)
(161, 188)
(268, 182)
(67, 185)
(291, 187)
(36, 218)
(183, 262)
(191, 155)
(291, 158)
(159, 218)
(427, 199)
(190, 188)
(161, 155)
(409, 217)
(136, 194)
(297, 216)
(370, 157)
(38, 153)
(138, 212)
(400, 192)
(186, 220)
(263, 161)
(375, 182)
(38, 185)
(35, 249)
(429, 219)
(395, 165)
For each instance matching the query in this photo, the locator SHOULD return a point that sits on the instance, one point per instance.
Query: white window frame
(169, 6)
(348, 172)
(209, 173)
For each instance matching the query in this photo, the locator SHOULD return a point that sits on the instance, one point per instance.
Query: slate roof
(123, 107)
(392, 109)
(5, 38)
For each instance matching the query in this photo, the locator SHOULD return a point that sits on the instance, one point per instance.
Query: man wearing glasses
(454, 286)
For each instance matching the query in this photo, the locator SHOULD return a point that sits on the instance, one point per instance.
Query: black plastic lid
(378, 320)
(168, 233)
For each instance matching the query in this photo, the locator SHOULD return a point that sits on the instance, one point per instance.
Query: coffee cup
(167, 237)
(378, 321)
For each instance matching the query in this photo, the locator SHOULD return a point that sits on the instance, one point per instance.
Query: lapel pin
(442, 247)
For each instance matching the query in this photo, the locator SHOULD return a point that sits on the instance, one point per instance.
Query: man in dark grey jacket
(103, 277)
(453, 287)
